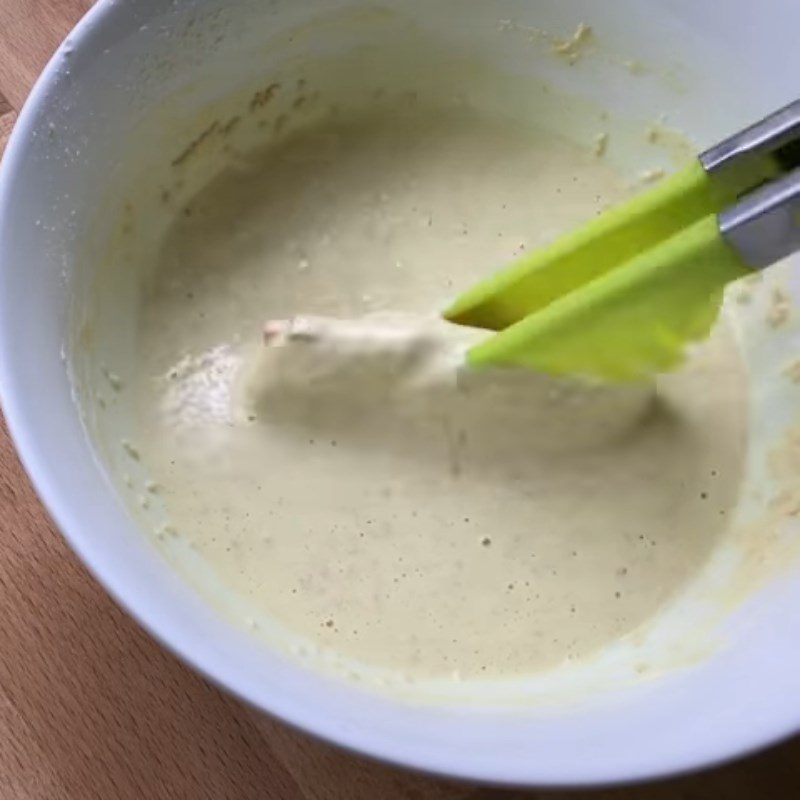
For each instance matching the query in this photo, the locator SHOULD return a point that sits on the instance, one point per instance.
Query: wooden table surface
(91, 707)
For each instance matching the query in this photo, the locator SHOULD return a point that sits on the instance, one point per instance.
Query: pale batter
(346, 476)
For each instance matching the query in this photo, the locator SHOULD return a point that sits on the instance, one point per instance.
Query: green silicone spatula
(621, 298)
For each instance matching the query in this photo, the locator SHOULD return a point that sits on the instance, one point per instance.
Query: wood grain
(31, 30)
(91, 707)
(7, 118)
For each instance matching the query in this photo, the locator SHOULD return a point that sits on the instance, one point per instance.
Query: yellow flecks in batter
(780, 308)
(600, 147)
(651, 175)
(792, 372)
(574, 47)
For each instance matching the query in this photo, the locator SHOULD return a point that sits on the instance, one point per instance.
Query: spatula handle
(774, 136)
(764, 226)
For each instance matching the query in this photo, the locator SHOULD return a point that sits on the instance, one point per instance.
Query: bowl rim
(725, 744)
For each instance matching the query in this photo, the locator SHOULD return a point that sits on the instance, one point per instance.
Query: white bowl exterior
(64, 147)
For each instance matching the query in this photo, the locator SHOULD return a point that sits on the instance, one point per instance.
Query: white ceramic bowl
(715, 66)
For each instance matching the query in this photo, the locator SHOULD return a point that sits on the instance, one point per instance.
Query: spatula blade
(630, 322)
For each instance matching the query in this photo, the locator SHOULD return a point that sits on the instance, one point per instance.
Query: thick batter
(344, 474)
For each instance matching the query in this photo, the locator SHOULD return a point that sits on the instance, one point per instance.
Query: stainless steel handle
(765, 138)
(761, 167)
(764, 226)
